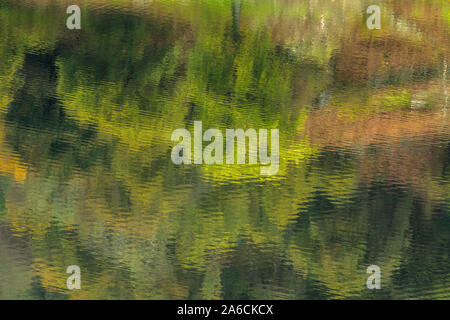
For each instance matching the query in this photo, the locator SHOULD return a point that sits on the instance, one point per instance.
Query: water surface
(86, 176)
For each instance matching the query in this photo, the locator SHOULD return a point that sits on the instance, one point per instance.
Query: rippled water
(86, 176)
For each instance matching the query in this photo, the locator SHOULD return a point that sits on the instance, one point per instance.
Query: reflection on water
(86, 177)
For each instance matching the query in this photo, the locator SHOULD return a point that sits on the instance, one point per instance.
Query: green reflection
(86, 176)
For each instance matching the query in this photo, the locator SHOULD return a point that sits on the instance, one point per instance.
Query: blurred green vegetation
(85, 160)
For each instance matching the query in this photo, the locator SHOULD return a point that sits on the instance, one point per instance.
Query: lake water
(86, 176)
